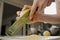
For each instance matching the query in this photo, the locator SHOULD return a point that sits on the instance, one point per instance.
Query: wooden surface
(18, 3)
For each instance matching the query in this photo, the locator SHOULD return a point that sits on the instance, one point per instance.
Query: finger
(17, 18)
(49, 2)
(35, 18)
(18, 13)
(26, 7)
(33, 8)
(42, 5)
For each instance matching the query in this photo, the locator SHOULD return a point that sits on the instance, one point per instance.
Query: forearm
(53, 19)
(58, 7)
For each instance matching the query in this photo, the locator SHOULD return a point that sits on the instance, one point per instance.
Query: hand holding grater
(18, 24)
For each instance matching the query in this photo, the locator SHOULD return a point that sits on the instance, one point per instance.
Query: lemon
(46, 33)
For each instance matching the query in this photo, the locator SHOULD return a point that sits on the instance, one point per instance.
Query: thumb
(26, 7)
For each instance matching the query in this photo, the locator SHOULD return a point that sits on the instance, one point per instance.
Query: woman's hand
(40, 17)
(41, 4)
(31, 21)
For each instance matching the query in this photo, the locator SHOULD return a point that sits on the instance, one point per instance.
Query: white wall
(51, 10)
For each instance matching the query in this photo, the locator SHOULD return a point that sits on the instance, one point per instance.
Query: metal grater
(17, 25)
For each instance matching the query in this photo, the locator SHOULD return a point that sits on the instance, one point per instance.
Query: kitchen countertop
(31, 37)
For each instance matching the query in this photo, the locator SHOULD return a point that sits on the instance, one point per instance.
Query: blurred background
(8, 9)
